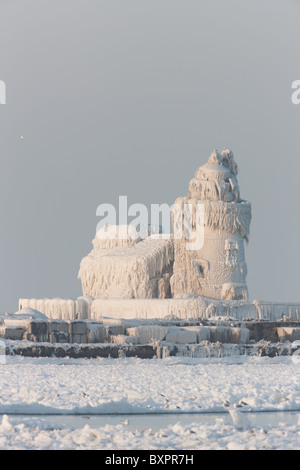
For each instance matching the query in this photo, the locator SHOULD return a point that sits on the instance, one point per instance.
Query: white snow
(42, 434)
(125, 385)
(30, 313)
(181, 385)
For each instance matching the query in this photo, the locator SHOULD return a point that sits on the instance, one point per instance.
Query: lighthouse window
(231, 248)
(200, 267)
(201, 270)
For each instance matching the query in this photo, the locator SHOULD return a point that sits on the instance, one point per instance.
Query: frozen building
(121, 267)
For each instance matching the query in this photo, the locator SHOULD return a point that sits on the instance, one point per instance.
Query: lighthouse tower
(215, 267)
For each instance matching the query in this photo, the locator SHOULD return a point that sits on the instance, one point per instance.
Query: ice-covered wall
(64, 309)
(216, 268)
(61, 309)
(276, 311)
(129, 269)
(148, 308)
(184, 307)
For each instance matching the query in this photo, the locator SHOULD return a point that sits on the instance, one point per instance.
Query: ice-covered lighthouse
(218, 269)
(163, 268)
(167, 277)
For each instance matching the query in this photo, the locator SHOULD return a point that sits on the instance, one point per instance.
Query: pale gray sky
(118, 97)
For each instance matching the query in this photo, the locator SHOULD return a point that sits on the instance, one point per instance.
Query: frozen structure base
(30, 333)
(185, 308)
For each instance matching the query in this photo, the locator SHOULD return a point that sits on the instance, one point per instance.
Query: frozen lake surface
(155, 422)
(176, 403)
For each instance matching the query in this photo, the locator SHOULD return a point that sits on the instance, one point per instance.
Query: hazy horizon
(108, 98)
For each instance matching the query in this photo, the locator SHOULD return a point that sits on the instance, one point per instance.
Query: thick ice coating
(218, 269)
(129, 269)
(120, 267)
